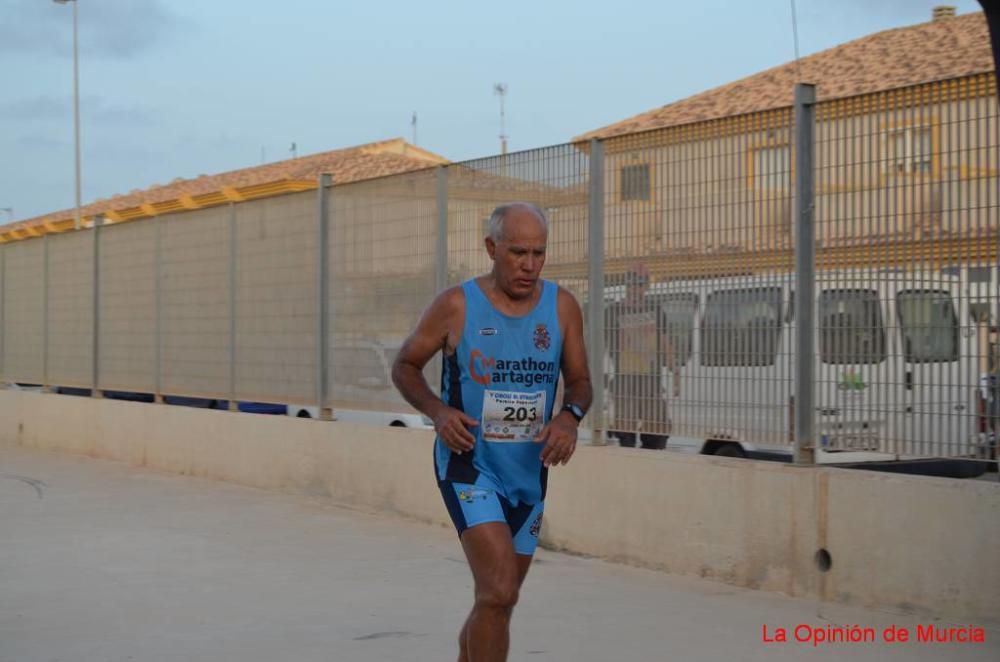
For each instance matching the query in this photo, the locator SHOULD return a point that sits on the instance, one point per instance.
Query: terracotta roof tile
(937, 50)
(378, 159)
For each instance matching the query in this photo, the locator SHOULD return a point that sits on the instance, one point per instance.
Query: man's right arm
(435, 328)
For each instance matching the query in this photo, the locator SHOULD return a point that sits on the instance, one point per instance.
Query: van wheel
(729, 450)
(397, 424)
(303, 414)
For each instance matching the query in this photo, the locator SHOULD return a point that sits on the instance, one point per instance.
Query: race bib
(512, 417)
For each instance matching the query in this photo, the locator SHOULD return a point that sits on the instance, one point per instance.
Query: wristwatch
(574, 411)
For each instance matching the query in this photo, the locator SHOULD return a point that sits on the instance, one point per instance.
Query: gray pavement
(102, 561)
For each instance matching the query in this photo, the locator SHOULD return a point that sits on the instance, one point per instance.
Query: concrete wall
(922, 545)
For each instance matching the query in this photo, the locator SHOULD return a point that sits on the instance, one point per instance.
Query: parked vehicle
(894, 367)
(362, 382)
(273, 409)
(20, 386)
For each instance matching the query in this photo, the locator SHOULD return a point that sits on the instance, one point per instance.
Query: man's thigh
(489, 548)
(653, 414)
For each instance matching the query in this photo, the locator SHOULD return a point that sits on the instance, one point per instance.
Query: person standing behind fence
(639, 346)
(506, 336)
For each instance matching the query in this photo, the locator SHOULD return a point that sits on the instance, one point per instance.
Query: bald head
(495, 227)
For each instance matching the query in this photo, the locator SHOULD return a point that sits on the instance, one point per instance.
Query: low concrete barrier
(921, 545)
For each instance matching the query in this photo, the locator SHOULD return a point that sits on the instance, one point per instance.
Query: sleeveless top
(503, 373)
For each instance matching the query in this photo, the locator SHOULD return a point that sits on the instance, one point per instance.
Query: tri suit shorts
(470, 505)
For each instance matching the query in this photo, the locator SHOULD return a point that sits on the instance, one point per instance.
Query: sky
(179, 88)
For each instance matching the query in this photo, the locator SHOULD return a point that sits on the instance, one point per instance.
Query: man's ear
(491, 247)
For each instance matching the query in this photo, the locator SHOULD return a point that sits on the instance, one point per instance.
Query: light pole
(76, 111)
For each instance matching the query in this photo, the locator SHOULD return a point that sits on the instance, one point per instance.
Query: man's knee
(499, 595)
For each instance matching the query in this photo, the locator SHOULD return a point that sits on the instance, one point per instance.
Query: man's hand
(453, 426)
(559, 437)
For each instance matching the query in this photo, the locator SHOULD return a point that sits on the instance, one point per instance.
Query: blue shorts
(470, 505)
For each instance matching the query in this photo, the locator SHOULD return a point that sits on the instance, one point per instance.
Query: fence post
(45, 313)
(805, 276)
(158, 315)
(232, 308)
(3, 288)
(323, 299)
(441, 248)
(95, 348)
(595, 288)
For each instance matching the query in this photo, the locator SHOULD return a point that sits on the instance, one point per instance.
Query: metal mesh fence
(23, 357)
(697, 243)
(70, 328)
(679, 243)
(195, 252)
(382, 251)
(907, 234)
(127, 307)
(275, 299)
(554, 178)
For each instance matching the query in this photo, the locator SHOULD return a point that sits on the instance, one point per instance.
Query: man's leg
(523, 564)
(498, 573)
(654, 442)
(625, 411)
(654, 415)
(626, 439)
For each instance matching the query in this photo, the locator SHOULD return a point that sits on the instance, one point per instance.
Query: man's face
(519, 255)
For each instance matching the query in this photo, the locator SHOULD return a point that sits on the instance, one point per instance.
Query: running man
(505, 337)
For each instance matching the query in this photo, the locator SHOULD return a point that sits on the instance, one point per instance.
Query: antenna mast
(500, 90)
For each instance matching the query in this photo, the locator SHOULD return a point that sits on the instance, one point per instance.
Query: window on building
(973, 274)
(980, 274)
(772, 169)
(635, 182)
(909, 150)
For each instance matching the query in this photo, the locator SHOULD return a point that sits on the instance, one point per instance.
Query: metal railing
(822, 277)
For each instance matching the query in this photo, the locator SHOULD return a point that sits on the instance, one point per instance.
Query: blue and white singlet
(503, 373)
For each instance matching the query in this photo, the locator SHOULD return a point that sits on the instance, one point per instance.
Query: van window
(850, 327)
(929, 326)
(678, 312)
(741, 327)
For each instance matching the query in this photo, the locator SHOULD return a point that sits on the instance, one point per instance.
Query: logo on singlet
(488, 331)
(542, 339)
(481, 371)
(526, 371)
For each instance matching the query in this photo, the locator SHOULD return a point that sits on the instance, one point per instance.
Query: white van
(895, 368)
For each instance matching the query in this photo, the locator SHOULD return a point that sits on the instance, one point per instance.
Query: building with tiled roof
(905, 151)
(352, 164)
(944, 48)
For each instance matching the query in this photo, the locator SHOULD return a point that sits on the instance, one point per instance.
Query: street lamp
(76, 111)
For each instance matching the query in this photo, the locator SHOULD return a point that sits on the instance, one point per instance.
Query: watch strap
(575, 411)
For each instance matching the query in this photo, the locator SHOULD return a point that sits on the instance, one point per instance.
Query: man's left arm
(559, 436)
(667, 356)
